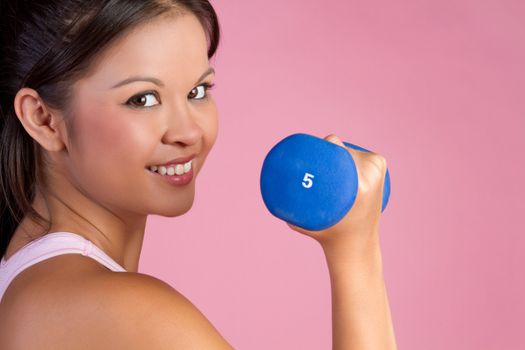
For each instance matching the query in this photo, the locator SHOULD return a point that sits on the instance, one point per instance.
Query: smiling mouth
(172, 169)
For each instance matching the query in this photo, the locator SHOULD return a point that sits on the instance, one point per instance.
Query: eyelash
(207, 86)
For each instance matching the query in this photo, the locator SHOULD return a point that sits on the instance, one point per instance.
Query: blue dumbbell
(310, 182)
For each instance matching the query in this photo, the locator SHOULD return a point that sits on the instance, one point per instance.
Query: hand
(362, 220)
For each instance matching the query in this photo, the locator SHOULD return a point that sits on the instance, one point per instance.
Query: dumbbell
(310, 182)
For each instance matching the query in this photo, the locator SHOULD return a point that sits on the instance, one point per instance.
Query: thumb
(334, 139)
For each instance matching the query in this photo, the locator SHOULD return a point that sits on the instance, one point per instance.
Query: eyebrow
(156, 81)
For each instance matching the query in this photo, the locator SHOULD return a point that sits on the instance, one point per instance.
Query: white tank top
(47, 246)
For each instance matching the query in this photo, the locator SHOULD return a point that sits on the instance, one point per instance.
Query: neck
(119, 235)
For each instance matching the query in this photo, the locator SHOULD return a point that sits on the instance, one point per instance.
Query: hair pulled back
(46, 45)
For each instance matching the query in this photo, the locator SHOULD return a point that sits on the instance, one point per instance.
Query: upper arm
(154, 315)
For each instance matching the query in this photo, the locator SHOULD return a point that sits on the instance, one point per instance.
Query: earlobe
(38, 120)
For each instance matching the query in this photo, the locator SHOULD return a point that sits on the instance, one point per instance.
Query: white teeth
(179, 169)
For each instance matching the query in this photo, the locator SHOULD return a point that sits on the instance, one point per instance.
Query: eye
(146, 99)
(199, 92)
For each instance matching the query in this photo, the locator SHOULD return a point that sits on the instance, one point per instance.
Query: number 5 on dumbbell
(307, 180)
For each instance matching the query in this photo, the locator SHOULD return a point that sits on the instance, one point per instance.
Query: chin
(178, 209)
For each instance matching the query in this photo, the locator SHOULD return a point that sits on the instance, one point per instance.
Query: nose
(181, 127)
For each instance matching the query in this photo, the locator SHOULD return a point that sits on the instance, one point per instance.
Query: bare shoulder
(156, 316)
(86, 306)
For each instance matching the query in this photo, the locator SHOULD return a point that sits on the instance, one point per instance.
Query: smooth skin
(73, 302)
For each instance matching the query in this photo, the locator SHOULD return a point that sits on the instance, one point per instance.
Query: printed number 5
(307, 180)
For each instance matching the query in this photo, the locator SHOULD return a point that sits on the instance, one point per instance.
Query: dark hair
(46, 45)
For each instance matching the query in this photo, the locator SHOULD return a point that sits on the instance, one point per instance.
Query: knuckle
(376, 167)
(382, 161)
(379, 161)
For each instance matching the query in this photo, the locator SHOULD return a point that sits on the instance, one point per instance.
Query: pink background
(437, 87)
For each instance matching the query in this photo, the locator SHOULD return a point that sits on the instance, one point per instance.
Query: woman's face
(120, 129)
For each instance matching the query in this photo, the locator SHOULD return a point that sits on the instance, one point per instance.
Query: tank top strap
(48, 246)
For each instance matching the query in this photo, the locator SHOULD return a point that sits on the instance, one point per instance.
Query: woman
(106, 119)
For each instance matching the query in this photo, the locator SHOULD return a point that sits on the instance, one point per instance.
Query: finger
(335, 139)
(356, 154)
(298, 229)
(302, 230)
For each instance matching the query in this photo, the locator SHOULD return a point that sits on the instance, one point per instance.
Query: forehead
(169, 45)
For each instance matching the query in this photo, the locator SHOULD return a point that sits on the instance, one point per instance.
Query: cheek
(113, 140)
(110, 153)
(209, 122)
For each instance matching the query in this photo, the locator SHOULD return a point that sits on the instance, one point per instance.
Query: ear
(43, 124)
